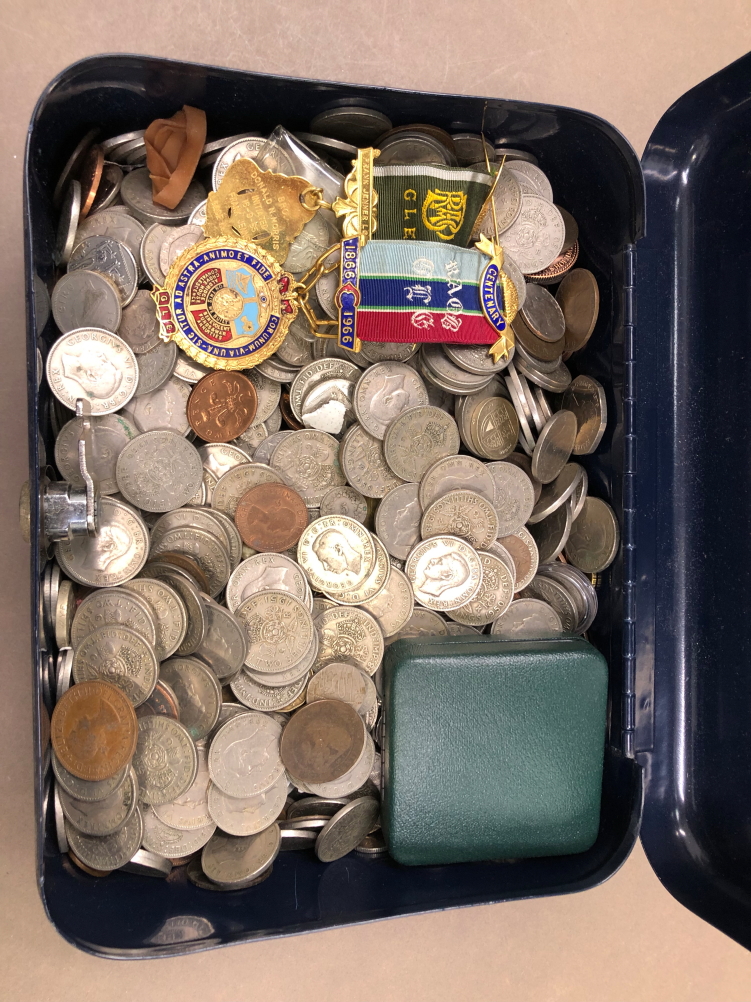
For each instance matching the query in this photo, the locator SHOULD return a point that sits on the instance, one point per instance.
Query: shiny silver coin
(224, 646)
(422, 623)
(168, 610)
(557, 492)
(108, 257)
(543, 315)
(344, 501)
(456, 473)
(150, 249)
(417, 438)
(110, 607)
(116, 223)
(514, 497)
(190, 811)
(188, 370)
(444, 571)
(95, 365)
(198, 693)
(475, 358)
(166, 760)
(308, 461)
(155, 367)
(186, 588)
(255, 695)
(115, 555)
(202, 547)
(118, 655)
(148, 864)
(102, 817)
(536, 237)
(108, 852)
(552, 533)
(554, 446)
(265, 572)
(247, 815)
(110, 433)
(383, 392)
(585, 398)
(179, 240)
(528, 619)
(244, 755)
(397, 520)
(494, 596)
(364, 463)
(85, 790)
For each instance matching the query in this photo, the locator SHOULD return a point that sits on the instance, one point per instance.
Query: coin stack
(263, 534)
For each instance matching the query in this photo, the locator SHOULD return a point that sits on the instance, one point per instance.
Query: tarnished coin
(364, 464)
(224, 646)
(322, 741)
(86, 790)
(203, 548)
(374, 584)
(139, 326)
(394, 605)
(585, 398)
(161, 703)
(397, 520)
(136, 193)
(279, 630)
(222, 405)
(237, 481)
(198, 692)
(109, 436)
(244, 755)
(315, 373)
(514, 498)
(165, 761)
(308, 461)
(109, 852)
(350, 635)
(337, 553)
(94, 365)
(112, 607)
(190, 811)
(528, 619)
(461, 513)
(108, 257)
(351, 781)
(247, 815)
(346, 829)
(86, 299)
(494, 596)
(168, 611)
(70, 213)
(328, 406)
(495, 428)
(265, 572)
(456, 473)
(102, 817)
(422, 623)
(551, 534)
(557, 492)
(579, 298)
(118, 655)
(444, 571)
(543, 315)
(536, 237)
(155, 367)
(418, 438)
(594, 538)
(554, 446)
(236, 862)
(93, 731)
(266, 698)
(159, 471)
(344, 501)
(173, 843)
(383, 392)
(271, 517)
(163, 408)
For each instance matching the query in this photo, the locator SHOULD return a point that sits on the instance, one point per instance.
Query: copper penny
(322, 741)
(560, 267)
(85, 867)
(90, 176)
(222, 406)
(94, 730)
(271, 517)
(579, 298)
(161, 703)
(286, 409)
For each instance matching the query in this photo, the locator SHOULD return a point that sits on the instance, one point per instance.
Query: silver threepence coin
(94, 365)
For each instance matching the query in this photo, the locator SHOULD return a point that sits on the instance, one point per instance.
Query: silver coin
(595, 537)
(292, 839)
(295, 349)
(585, 398)
(109, 187)
(224, 647)
(526, 186)
(385, 351)
(190, 810)
(349, 635)
(249, 148)
(155, 367)
(188, 370)
(317, 372)
(337, 554)
(244, 755)
(214, 148)
(438, 368)
(256, 696)
(308, 461)
(151, 246)
(102, 817)
(112, 607)
(555, 594)
(516, 275)
(165, 761)
(538, 366)
(278, 628)
(198, 693)
(186, 588)
(247, 815)
(536, 176)
(65, 608)
(118, 655)
(475, 358)
(543, 315)
(515, 496)
(339, 680)
(273, 368)
(95, 365)
(265, 450)
(344, 501)
(392, 608)
(168, 610)
(507, 199)
(86, 790)
(557, 492)
(115, 555)
(139, 326)
(418, 438)
(235, 862)
(265, 572)
(383, 392)
(86, 299)
(204, 548)
(551, 534)
(136, 193)
(108, 852)
(554, 446)
(110, 433)
(108, 257)
(328, 406)
(313, 240)
(198, 215)
(179, 240)
(364, 464)
(159, 471)
(494, 596)
(251, 438)
(173, 843)
(325, 289)
(422, 623)
(66, 228)
(237, 481)
(346, 829)
(116, 223)
(461, 513)
(397, 520)
(528, 619)
(444, 571)
(456, 473)
(414, 148)
(194, 518)
(164, 409)
(535, 239)
(219, 457)
(351, 781)
(460, 630)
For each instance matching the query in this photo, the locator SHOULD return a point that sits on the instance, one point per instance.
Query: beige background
(625, 61)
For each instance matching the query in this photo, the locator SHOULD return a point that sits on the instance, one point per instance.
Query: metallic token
(418, 438)
(198, 693)
(237, 481)
(397, 520)
(308, 461)
(190, 811)
(65, 608)
(136, 193)
(551, 533)
(102, 817)
(346, 829)
(110, 607)
(344, 501)
(350, 635)
(161, 703)
(271, 517)
(221, 406)
(188, 370)
(265, 572)
(185, 587)
(88, 791)
(315, 373)
(543, 315)
(266, 698)
(316, 236)
(203, 548)
(585, 398)
(111, 258)
(422, 623)
(383, 392)
(279, 630)
(374, 584)
(148, 864)
(155, 367)
(528, 619)
(461, 513)
(554, 446)
(163, 409)
(224, 646)
(594, 539)
(580, 586)
(557, 492)
(166, 760)
(108, 852)
(159, 471)
(322, 741)
(394, 605)
(247, 815)
(556, 595)
(364, 464)
(337, 554)
(66, 228)
(115, 555)
(118, 655)
(237, 862)
(267, 393)
(179, 239)
(579, 298)
(445, 572)
(93, 731)
(109, 436)
(494, 427)
(514, 498)
(86, 299)
(95, 365)
(244, 755)
(494, 596)
(139, 326)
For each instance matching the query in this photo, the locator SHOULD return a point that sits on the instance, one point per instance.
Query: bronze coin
(222, 406)
(90, 175)
(322, 741)
(161, 703)
(186, 563)
(546, 351)
(579, 298)
(271, 517)
(571, 229)
(289, 417)
(94, 730)
(85, 866)
(560, 267)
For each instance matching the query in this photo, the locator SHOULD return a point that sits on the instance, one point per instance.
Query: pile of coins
(264, 534)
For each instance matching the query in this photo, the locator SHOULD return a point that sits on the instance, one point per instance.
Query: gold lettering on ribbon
(443, 212)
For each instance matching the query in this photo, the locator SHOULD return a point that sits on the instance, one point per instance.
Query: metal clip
(83, 413)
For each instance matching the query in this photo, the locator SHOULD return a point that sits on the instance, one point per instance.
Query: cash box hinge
(629, 512)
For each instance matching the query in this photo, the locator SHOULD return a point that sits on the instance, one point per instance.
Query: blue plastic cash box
(672, 349)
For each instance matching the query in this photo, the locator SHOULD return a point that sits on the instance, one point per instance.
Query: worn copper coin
(271, 517)
(579, 298)
(90, 175)
(322, 741)
(222, 406)
(94, 730)
(161, 703)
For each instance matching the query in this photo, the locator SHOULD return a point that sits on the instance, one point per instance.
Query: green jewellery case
(492, 748)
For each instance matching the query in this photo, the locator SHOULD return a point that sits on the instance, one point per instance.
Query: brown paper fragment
(173, 148)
